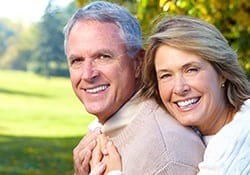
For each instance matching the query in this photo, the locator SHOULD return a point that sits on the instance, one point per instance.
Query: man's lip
(96, 89)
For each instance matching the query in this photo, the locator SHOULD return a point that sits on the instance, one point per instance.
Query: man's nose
(89, 71)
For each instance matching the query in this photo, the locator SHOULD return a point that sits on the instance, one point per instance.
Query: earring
(223, 85)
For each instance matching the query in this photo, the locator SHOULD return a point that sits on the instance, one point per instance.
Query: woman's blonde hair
(203, 39)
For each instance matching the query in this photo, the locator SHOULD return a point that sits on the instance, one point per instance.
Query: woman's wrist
(115, 172)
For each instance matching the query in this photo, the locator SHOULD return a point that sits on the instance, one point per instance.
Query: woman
(201, 84)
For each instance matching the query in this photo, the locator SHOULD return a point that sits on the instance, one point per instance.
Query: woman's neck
(213, 126)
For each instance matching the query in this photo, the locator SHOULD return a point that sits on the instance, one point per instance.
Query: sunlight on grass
(32, 105)
(41, 122)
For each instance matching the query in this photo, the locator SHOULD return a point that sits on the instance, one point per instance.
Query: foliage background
(231, 17)
(39, 46)
(41, 119)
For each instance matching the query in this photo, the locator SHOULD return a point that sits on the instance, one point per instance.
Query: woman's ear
(222, 81)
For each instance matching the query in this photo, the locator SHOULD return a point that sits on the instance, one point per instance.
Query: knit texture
(228, 152)
(154, 143)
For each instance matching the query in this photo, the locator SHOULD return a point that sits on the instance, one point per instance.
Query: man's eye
(105, 56)
(103, 59)
(75, 61)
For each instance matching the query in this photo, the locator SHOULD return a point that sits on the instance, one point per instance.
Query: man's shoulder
(156, 122)
(156, 135)
(152, 113)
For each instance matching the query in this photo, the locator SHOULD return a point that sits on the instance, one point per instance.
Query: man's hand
(83, 152)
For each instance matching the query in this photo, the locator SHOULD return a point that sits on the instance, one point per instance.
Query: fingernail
(104, 151)
(88, 153)
(109, 143)
(93, 143)
(97, 130)
(102, 164)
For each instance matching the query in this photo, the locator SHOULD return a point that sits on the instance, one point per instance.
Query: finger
(103, 140)
(96, 154)
(86, 160)
(92, 135)
(111, 150)
(96, 130)
(81, 167)
(111, 146)
(99, 169)
(112, 157)
(82, 153)
(81, 158)
(79, 153)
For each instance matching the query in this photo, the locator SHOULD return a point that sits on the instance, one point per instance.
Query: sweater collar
(120, 119)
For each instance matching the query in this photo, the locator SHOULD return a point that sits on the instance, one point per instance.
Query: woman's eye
(192, 70)
(164, 76)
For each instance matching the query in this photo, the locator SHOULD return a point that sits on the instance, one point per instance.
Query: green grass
(41, 122)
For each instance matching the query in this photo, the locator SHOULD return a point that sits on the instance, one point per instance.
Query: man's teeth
(97, 89)
(187, 102)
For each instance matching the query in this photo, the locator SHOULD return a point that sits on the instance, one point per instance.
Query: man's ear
(139, 61)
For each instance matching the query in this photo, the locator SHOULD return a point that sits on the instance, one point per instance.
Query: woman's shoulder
(228, 150)
(244, 113)
(235, 131)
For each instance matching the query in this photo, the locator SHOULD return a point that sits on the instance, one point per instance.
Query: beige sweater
(155, 143)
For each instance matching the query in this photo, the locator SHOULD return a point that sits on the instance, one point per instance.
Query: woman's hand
(96, 154)
(82, 153)
(111, 160)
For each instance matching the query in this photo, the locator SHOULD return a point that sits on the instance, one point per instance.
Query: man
(104, 50)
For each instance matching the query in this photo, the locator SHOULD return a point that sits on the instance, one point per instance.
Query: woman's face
(190, 88)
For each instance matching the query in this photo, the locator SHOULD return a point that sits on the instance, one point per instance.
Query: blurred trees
(231, 17)
(39, 46)
(50, 57)
(11, 34)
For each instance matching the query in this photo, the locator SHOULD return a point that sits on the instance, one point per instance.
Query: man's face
(102, 74)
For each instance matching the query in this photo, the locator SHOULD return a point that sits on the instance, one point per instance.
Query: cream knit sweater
(153, 143)
(228, 152)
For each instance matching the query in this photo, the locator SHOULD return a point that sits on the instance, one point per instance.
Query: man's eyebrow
(101, 51)
(71, 57)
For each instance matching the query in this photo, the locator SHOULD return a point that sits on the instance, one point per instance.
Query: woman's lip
(187, 104)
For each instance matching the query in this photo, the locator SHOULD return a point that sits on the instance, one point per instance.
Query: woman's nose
(181, 86)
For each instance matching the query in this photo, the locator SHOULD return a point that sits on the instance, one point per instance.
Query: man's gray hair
(111, 13)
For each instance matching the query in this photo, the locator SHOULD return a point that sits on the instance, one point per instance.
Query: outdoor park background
(41, 119)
